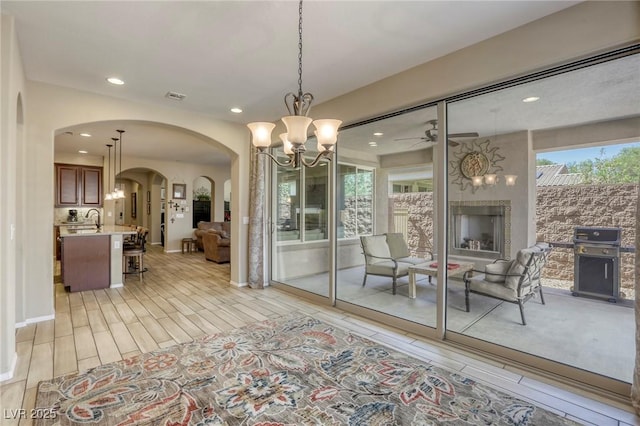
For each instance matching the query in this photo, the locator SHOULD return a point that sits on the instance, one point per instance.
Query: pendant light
(114, 193)
(120, 191)
(109, 196)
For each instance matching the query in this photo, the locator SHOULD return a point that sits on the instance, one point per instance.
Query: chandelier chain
(300, 48)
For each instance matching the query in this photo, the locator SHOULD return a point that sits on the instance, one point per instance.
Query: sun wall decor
(473, 159)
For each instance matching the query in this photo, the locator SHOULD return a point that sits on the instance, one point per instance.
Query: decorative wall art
(474, 159)
(180, 191)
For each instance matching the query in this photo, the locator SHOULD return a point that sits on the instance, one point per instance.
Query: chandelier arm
(320, 156)
(278, 162)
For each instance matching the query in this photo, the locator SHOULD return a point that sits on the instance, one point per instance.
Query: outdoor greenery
(621, 168)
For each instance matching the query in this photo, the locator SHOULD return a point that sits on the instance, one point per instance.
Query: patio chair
(378, 260)
(514, 281)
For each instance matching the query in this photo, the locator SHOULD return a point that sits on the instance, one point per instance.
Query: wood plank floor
(183, 297)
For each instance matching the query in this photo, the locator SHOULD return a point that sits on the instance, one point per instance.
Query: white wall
(13, 221)
(47, 114)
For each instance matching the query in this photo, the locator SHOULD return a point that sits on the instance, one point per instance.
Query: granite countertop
(105, 230)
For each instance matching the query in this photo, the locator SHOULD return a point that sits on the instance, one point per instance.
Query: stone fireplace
(480, 229)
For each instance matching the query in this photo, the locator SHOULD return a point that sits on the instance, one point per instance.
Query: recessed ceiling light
(236, 110)
(85, 135)
(378, 134)
(531, 99)
(373, 143)
(83, 152)
(115, 80)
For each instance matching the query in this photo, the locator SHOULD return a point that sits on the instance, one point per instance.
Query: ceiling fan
(431, 135)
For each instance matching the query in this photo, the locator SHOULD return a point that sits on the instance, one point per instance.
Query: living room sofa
(206, 226)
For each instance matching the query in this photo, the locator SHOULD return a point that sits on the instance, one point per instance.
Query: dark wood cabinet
(201, 211)
(85, 262)
(78, 186)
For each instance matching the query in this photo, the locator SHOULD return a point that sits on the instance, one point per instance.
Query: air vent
(175, 96)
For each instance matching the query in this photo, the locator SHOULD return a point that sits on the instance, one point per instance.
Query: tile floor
(184, 297)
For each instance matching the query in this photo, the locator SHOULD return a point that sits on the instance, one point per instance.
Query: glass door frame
(535, 364)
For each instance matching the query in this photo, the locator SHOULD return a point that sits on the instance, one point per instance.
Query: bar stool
(186, 244)
(133, 257)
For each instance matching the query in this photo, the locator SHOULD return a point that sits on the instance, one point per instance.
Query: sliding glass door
(554, 158)
(499, 214)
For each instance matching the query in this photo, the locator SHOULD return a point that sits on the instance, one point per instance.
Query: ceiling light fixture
(83, 152)
(297, 124)
(236, 110)
(120, 191)
(114, 193)
(109, 196)
(531, 99)
(378, 134)
(115, 80)
(85, 135)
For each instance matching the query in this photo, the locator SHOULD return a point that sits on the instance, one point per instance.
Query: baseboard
(173, 251)
(21, 324)
(9, 374)
(116, 285)
(40, 319)
(235, 284)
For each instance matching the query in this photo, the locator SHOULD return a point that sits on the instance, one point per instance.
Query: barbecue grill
(597, 262)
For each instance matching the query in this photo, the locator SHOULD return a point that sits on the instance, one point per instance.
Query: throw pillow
(518, 266)
(495, 272)
(223, 234)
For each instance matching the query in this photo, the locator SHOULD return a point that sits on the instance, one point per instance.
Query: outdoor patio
(590, 334)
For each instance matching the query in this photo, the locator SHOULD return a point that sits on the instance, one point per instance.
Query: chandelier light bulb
(261, 133)
(286, 145)
(510, 180)
(297, 126)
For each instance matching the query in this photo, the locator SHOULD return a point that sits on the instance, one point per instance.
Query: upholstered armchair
(514, 281)
(204, 227)
(216, 246)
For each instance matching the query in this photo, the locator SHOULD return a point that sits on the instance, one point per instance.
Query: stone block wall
(559, 209)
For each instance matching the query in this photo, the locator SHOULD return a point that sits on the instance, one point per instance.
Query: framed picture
(148, 209)
(134, 204)
(180, 191)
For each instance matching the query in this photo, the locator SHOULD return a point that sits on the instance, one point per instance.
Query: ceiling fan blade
(408, 139)
(464, 135)
(429, 143)
(453, 143)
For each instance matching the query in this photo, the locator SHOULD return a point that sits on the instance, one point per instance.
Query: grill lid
(583, 234)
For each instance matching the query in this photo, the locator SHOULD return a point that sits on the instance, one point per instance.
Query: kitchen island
(92, 258)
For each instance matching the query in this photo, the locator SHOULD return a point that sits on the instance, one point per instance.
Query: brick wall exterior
(558, 210)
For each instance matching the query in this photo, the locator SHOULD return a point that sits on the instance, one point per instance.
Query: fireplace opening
(478, 231)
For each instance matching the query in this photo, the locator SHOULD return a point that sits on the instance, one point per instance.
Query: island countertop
(104, 230)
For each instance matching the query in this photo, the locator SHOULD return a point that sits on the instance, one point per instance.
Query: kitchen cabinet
(85, 262)
(78, 186)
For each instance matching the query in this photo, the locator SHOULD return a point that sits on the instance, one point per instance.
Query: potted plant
(202, 194)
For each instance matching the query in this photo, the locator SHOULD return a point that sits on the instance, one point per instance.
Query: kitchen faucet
(98, 212)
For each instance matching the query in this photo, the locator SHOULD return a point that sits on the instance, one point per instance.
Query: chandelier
(297, 123)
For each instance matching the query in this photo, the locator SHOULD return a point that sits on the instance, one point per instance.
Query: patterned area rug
(292, 371)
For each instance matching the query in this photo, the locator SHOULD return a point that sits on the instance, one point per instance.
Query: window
(355, 201)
